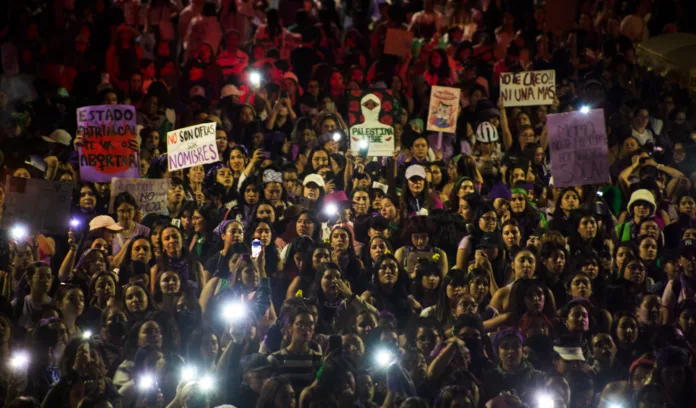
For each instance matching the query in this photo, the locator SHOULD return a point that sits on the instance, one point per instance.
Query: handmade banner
(391, 109)
(372, 135)
(39, 205)
(105, 153)
(192, 146)
(150, 194)
(444, 109)
(579, 151)
(528, 88)
(398, 42)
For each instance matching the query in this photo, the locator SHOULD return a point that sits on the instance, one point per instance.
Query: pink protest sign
(578, 144)
(106, 153)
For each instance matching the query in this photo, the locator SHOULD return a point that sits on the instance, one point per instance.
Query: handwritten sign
(444, 109)
(106, 153)
(578, 143)
(528, 88)
(40, 205)
(398, 42)
(192, 146)
(377, 137)
(389, 114)
(151, 194)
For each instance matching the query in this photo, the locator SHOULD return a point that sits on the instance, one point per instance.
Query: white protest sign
(40, 205)
(150, 194)
(528, 88)
(377, 137)
(192, 146)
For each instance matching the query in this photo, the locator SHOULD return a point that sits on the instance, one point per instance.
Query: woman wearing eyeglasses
(485, 220)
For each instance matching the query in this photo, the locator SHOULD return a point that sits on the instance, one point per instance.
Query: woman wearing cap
(640, 207)
(415, 198)
(417, 233)
(312, 191)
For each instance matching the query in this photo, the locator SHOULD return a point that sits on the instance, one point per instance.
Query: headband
(518, 190)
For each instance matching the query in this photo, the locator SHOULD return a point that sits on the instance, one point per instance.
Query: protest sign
(528, 88)
(377, 137)
(390, 106)
(150, 194)
(579, 151)
(444, 109)
(39, 205)
(105, 152)
(398, 42)
(192, 146)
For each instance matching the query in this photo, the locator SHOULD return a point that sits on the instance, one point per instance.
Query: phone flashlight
(384, 357)
(363, 145)
(147, 382)
(188, 373)
(255, 78)
(600, 193)
(207, 383)
(614, 405)
(331, 209)
(235, 311)
(585, 109)
(336, 136)
(255, 248)
(544, 401)
(18, 232)
(74, 223)
(19, 360)
(87, 334)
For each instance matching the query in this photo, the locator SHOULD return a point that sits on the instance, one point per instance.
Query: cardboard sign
(391, 108)
(528, 88)
(578, 143)
(444, 109)
(151, 194)
(40, 205)
(398, 42)
(192, 146)
(378, 137)
(106, 153)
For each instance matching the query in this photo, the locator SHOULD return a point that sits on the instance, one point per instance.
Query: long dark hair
(270, 390)
(575, 241)
(271, 251)
(127, 256)
(442, 309)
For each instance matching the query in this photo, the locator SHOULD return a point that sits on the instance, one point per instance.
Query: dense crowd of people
(296, 271)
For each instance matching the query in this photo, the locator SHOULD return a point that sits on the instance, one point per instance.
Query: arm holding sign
(544, 139)
(507, 136)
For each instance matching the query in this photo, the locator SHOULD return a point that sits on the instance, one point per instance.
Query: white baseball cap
(313, 178)
(104, 221)
(415, 170)
(230, 90)
(58, 136)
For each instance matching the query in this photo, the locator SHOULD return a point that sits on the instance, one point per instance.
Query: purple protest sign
(106, 153)
(578, 143)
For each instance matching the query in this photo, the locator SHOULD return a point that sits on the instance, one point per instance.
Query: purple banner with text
(578, 144)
